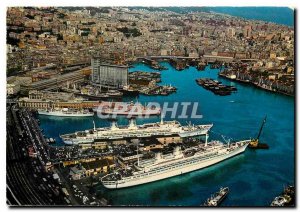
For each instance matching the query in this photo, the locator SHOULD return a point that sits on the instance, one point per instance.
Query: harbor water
(254, 178)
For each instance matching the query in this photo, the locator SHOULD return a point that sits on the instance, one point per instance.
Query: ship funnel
(114, 125)
(158, 156)
(132, 124)
(176, 151)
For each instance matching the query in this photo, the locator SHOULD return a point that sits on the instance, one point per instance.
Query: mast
(94, 126)
(206, 138)
(137, 153)
(161, 120)
(262, 125)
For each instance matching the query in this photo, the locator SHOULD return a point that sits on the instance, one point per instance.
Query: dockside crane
(254, 143)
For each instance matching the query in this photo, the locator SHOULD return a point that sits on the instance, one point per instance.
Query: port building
(107, 75)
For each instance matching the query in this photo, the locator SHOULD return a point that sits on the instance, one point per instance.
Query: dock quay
(181, 62)
(92, 91)
(152, 63)
(233, 78)
(215, 86)
(201, 66)
(159, 90)
(145, 83)
(289, 91)
(101, 96)
(178, 64)
(216, 65)
(140, 76)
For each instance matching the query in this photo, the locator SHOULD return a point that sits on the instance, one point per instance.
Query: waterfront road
(27, 181)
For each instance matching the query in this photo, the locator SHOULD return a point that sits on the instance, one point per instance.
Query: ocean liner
(163, 128)
(176, 163)
(65, 112)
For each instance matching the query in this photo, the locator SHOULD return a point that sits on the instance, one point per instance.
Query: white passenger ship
(163, 128)
(176, 163)
(65, 112)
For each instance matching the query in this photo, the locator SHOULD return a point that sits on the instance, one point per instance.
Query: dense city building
(45, 42)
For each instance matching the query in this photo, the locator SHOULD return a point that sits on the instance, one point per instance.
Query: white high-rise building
(115, 76)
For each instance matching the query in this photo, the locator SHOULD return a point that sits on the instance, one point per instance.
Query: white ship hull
(70, 142)
(129, 113)
(193, 133)
(175, 172)
(65, 114)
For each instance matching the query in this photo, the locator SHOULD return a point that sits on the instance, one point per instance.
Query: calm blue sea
(279, 15)
(254, 178)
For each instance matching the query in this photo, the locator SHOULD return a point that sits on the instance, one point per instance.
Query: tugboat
(287, 198)
(50, 140)
(217, 198)
(281, 201)
(254, 143)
